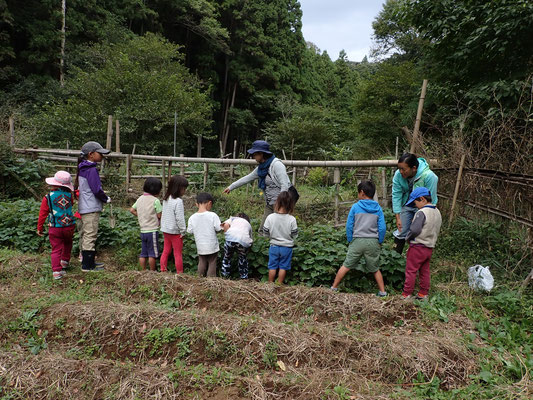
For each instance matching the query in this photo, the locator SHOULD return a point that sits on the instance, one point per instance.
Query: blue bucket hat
(260, 146)
(415, 194)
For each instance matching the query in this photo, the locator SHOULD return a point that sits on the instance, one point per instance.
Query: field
(127, 334)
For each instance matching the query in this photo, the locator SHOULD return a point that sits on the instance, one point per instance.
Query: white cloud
(334, 25)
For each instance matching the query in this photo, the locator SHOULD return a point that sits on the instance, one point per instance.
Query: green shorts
(367, 247)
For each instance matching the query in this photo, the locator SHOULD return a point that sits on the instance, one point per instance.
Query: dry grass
(100, 349)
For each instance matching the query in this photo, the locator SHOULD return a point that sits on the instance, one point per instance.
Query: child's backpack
(480, 278)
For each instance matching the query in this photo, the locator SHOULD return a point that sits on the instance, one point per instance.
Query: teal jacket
(424, 177)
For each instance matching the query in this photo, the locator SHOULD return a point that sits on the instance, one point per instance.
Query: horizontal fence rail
(230, 161)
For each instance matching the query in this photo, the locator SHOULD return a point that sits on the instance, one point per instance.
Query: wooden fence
(165, 164)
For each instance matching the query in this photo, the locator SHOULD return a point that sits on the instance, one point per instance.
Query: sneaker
(406, 296)
(64, 264)
(58, 274)
(97, 264)
(421, 297)
(95, 269)
(335, 289)
(381, 294)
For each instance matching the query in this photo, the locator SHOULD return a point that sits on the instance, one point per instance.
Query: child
(282, 229)
(204, 225)
(173, 222)
(91, 200)
(365, 231)
(148, 208)
(238, 232)
(422, 237)
(57, 206)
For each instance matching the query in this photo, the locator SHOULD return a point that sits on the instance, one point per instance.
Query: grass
(188, 337)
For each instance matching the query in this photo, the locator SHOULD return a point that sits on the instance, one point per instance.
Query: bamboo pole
(117, 136)
(12, 131)
(337, 181)
(457, 184)
(182, 167)
(418, 116)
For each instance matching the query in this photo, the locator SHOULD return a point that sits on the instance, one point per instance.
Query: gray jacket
(276, 181)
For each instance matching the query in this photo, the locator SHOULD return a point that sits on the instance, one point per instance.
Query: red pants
(418, 257)
(61, 242)
(172, 242)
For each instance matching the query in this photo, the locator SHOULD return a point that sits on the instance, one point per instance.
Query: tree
(141, 81)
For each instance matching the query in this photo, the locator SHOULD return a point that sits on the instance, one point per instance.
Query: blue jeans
(406, 216)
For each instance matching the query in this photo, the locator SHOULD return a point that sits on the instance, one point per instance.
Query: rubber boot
(398, 245)
(87, 260)
(88, 264)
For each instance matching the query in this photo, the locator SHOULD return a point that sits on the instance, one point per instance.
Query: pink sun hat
(61, 178)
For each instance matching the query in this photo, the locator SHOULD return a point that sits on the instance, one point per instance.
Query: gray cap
(91, 147)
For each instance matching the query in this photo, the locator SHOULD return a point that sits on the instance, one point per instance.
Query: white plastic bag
(480, 278)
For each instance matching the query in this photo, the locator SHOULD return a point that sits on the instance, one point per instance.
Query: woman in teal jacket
(412, 172)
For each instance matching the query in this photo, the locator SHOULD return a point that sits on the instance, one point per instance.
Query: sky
(334, 25)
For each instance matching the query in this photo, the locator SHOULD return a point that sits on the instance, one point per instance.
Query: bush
(31, 172)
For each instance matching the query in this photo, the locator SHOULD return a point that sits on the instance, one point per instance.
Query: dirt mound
(144, 334)
(282, 303)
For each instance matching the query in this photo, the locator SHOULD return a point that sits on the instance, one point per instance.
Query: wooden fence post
(182, 166)
(206, 171)
(457, 184)
(109, 131)
(129, 159)
(164, 174)
(11, 131)
(169, 171)
(234, 155)
(337, 181)
(384, 188)
(418, 116)
(117, 136)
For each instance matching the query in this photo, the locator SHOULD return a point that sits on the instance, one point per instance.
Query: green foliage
(157, 338)
(18, 225)
(28, 323)
(486, 243)
(270, 354)
(317, 176)
(29, 171)
(439, 306)
(141, 82)
(385, 103)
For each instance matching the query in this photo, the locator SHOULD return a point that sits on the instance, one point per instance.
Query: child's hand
(227, 190)
(40, 233)
(224, 226)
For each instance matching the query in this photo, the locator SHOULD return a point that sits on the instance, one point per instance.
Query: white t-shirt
(281, 228)
(204, 226)
(240, 231)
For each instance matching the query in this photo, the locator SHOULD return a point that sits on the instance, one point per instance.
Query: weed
(270, 355)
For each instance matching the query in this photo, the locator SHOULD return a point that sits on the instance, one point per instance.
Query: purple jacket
(92, 195)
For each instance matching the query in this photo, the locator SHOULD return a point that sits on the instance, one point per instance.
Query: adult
(272, 175)
(412, 172)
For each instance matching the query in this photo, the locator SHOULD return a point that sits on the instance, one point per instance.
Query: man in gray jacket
(272, 175)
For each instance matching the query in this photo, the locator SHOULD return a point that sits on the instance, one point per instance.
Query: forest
(241, 70)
